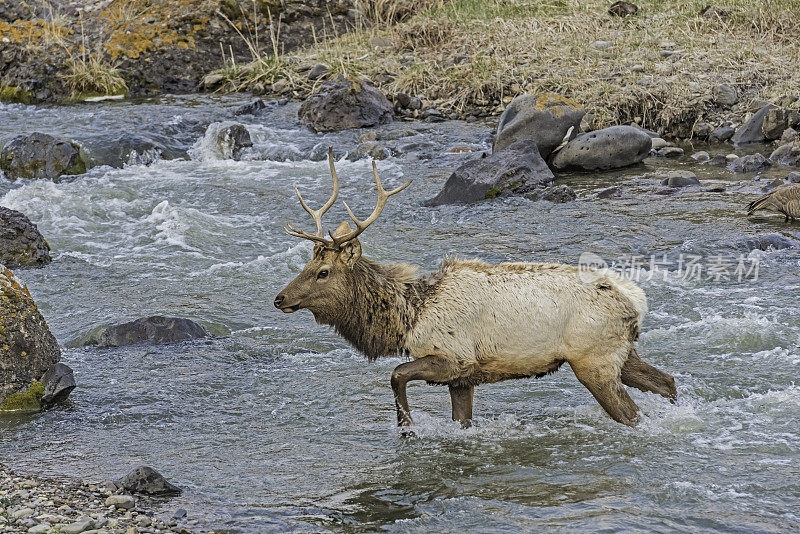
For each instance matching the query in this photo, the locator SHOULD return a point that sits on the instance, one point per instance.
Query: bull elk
(472, 323)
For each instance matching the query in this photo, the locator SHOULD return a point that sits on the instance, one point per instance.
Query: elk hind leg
(639, 374)
(602, 379)
(461, 398)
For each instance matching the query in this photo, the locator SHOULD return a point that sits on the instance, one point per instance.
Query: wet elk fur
(472, 323)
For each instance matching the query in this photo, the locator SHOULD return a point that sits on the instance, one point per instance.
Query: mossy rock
(11, 94)
(24, 401)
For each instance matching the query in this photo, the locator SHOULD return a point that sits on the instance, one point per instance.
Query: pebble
(37, 505)
(701, 155)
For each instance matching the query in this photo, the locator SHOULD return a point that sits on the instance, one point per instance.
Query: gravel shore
(40, 505)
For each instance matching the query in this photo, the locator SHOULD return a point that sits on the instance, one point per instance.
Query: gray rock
(132, 148)
(789, 135)
(148, 481)
(793, 177)
(659, 143)
(788, 154)
(557, 194)
(777, 120)
(252, 108)
(21, 244)
(343, 104)
(752, 163)
(27, 347)
(701, 156)
(318, 71)
(58, 382)
(544, 119)
(750, 131)
(124, 502)
(372, 150)
(720, 135)
(77, 527)
(724, 95)
(772, 185)
(40, 155)
(611, 192)
(670, 152)
(718, 161)
(154, 330)
(680, 179)
(702, 130)
(232, 139)
(610, 148)
(519, 166)
(602, 45)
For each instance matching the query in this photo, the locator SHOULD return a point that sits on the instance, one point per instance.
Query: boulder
(720, 135)
(788, 154)
(793, 177)
(789, 135)
(544, 119)
(343, 104)
(147, 481)
(58, 383)
(751, 131)
(752, 163)
(21, 244)
(777, 120)
(680, 179)
(40, 155)
(27, 347)
(155, 330)
(232, 139)
(724, 95)
(518, 168)
(610, 148)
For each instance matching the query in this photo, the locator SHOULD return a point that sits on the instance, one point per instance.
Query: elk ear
(350, 252)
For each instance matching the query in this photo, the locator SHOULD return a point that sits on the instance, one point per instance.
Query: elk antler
(383, 196)
(319, 237)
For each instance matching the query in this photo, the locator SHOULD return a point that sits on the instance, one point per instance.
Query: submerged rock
(610, 148)
(751, 131)
(128, 148)
(518, 167)
(21, 243)
(557, 194)
(148, 481)
(788, 154)
(156, 330)
(766, 242)
(252, 108)
(680, 179)
(752, 163)
(343, 104)
(27, 347)
(39, 155)
(545, 120)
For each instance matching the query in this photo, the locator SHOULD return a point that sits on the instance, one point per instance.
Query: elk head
(326, 281)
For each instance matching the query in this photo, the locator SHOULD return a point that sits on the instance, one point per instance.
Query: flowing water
(277, 424)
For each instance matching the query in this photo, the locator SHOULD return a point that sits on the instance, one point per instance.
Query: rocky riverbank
(40, 505)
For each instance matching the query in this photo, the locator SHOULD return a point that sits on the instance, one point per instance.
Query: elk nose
(278, 301)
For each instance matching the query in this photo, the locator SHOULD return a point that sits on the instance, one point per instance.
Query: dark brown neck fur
(382, 307)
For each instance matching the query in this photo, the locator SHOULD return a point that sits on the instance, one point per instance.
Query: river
(276, 424)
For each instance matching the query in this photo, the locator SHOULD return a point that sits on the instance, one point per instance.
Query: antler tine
(319, 237)
(383, 196)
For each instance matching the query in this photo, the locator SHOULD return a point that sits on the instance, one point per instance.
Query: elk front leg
(428, 368)
(461, 398)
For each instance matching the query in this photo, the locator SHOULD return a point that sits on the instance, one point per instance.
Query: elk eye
(322, 274)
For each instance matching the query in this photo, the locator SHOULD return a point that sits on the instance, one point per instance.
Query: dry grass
(91, 75)
(478, 54)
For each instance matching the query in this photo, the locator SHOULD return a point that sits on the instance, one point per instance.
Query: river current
(276, 424)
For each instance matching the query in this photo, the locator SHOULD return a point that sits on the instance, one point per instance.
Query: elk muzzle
(281, 304)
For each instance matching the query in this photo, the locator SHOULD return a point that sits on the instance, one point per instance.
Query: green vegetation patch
(24, 401)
